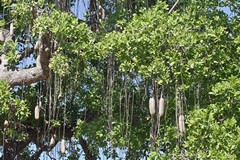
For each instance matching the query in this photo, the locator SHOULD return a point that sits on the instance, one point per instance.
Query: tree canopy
(136, 79)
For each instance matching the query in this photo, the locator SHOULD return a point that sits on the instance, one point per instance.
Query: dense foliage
(103, 76)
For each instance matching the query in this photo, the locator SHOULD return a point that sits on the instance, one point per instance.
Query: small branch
(88, 154)
(170, 11)
(43, 148)
(50, 156)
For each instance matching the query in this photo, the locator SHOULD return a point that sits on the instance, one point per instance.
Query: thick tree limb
(31, 75)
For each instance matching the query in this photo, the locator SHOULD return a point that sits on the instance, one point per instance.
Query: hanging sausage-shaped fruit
(181, 124)
(161, 107)
(152, 106)
(63, 146)
(36, 112)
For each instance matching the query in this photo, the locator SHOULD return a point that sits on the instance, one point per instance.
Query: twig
(170, 11)
(50, 156)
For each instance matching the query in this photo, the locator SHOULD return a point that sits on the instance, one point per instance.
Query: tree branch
(170, 11)
(88, 154)
(31, 75)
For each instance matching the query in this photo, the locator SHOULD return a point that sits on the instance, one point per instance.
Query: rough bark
(31, 75)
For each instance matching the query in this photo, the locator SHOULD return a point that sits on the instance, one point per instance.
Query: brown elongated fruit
(36, 112)
(53, 140)
(152, 106)
(181, 124)
(63, 146)
(161, 107)
(2, 37)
